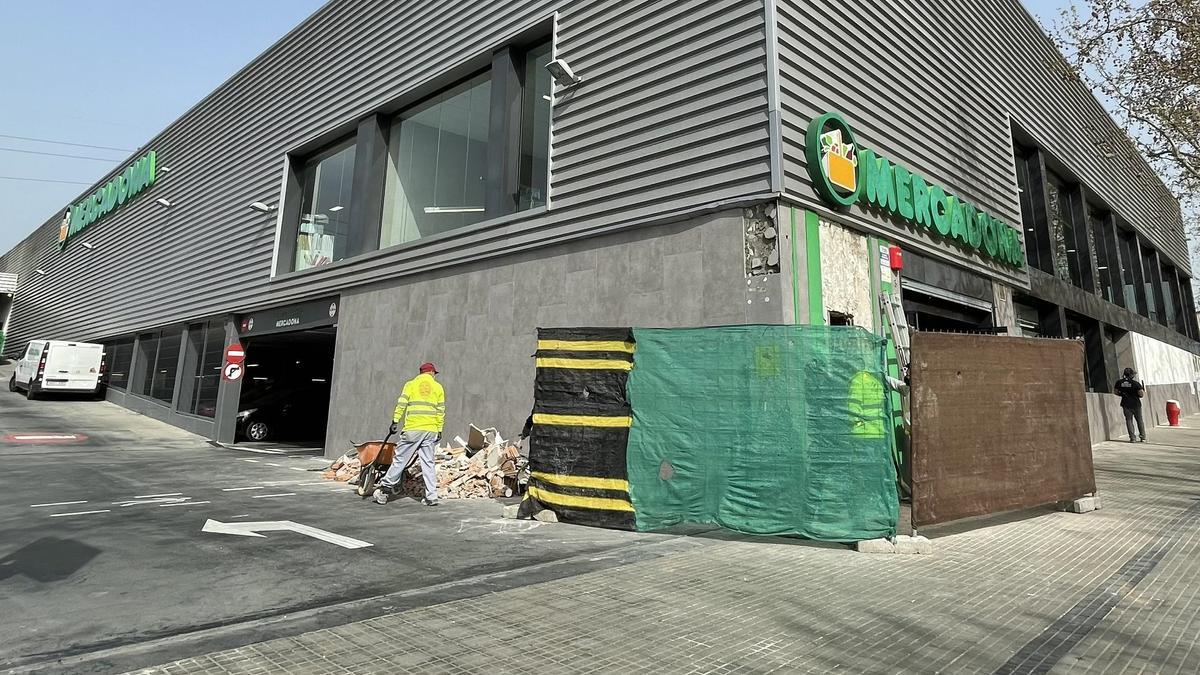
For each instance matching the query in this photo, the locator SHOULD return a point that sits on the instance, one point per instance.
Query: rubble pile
(495, 471)
(344, 468)
(483, 466)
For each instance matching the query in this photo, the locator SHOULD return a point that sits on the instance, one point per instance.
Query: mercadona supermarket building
(393, 183)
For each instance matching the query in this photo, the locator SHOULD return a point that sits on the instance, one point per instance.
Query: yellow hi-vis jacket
(422, 405)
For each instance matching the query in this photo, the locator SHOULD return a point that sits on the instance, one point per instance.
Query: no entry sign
(234, 353)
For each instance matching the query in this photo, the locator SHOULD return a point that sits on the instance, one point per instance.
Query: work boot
(429, 502)
(381, 495)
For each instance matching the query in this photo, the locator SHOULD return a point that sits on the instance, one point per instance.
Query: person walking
(1131, 392)
(422, 407)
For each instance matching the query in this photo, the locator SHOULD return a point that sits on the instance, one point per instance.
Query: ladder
(891, 306)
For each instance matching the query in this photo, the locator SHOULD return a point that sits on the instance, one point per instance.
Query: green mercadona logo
(845, 174)
(138, 176)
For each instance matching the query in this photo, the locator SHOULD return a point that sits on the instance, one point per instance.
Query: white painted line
(244, 515)
(273, 464)
(296, 468)
(154, 500)
(34, 506)
(184, 504)
(320, 482)
(254, 461)
(253, 529)
(253, 487)
(77, 513)
(169, 494)
(258, 451)
(281, 494)
(44, 437)
(321, 460)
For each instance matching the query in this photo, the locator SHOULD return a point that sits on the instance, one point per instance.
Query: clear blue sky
(116, 73)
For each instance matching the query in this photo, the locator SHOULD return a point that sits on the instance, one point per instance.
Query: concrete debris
(343, 469)
(512, 510)
(495, 471)
(546, 516)
(914, 545)
(875, 546)
(1081, 505)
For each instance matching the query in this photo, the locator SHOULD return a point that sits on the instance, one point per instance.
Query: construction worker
(422, 407)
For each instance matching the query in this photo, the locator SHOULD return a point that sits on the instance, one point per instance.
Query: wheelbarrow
(375, 458)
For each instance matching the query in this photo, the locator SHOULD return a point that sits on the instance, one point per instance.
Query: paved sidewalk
(1107, 592)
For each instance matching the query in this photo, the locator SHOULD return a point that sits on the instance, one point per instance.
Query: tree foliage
(1143, 60)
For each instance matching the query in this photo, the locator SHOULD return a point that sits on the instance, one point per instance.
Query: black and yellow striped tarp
(581, 420)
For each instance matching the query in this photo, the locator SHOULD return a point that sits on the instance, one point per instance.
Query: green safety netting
(762, 429)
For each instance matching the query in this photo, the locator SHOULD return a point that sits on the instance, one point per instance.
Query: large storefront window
(535, 127)
(1169, 295)
(437, 173)
(1033, 252)
(1104, 256)
(118, 356)
(327, 181)
(1068, 253)
(1150, 284)
(206, 354)
(1131, 273)
(158, 358)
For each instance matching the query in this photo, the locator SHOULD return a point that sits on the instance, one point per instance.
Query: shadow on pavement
(47, 560)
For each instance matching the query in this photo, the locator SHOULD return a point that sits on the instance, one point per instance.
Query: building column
(1004, 314)
(229, 395)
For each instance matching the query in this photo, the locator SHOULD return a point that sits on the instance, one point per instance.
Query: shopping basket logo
(839, 161)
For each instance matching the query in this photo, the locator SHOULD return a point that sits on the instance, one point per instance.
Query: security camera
(562, 73)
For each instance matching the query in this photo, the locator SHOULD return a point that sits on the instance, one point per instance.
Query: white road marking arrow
(253, 529)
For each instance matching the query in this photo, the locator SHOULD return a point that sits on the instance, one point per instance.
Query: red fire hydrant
(1173, 413)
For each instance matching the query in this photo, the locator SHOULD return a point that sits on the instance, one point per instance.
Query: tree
(1143, 60)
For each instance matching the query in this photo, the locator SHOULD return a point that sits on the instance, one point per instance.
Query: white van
(59, 366)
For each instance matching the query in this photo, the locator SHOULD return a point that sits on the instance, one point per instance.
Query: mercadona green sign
(845, 174)
(138, 176)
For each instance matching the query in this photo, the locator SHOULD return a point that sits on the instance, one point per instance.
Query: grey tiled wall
(478, 323)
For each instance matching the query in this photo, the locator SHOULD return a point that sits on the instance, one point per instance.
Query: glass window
(1033, 253)
(147, 353)
(119, 356)
(1103, 255)
(158, 358)
(1064, 240)
(535, 128)
(209, 345)
(1170, 304)
(1150, 281)
(1131, 273)
(162, 385)
(437, 169)
(327, 180)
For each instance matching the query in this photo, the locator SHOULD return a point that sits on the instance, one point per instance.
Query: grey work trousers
(1132, 414)
(422, 443)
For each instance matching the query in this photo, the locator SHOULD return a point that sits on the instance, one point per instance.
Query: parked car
(297, 412)
(58, 366)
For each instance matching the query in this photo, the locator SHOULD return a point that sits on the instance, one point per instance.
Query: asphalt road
(104, 565)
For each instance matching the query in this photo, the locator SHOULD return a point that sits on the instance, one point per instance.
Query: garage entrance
(288, 376)
(285, 393)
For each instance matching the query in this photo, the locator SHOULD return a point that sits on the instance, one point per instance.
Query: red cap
(429, 368)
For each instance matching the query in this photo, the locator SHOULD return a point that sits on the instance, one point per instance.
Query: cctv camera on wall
(562, 73)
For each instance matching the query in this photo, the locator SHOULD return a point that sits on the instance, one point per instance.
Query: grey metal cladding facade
(671, 119)
(933, 85)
